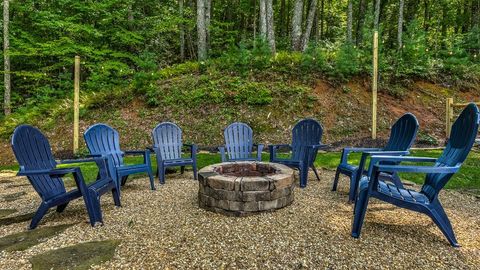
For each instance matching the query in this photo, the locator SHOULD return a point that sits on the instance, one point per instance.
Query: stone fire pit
(243, 188)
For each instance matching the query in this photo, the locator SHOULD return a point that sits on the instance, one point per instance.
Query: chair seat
(178, 161)
(393, 191)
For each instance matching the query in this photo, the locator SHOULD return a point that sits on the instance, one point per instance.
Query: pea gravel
(165, 229)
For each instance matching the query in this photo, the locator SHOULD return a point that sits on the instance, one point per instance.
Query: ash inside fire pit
(244, 188)
(245, 169)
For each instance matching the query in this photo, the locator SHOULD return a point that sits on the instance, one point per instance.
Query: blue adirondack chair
(167, 146)
(402, 136)
(306, 140)
(462, 137)
(34, 155)
(239, 144)
(103, 141)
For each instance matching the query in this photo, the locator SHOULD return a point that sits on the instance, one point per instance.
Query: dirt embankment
(344, 111)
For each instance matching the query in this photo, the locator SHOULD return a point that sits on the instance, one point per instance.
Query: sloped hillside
(205, 104)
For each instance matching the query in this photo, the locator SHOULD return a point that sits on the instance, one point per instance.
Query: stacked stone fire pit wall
(244, 188)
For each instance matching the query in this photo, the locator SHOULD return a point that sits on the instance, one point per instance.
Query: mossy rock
(80, 256)
(24, 240)
(16, 219)
(6, 212)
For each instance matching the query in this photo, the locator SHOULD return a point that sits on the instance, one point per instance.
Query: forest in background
(127, 46)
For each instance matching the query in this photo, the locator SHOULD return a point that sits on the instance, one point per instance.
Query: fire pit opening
(245, 169)
(244, 188)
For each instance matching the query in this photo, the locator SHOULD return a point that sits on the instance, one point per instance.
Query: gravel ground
(166, 229)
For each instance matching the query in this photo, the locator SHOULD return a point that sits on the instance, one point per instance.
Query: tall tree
(349, 21)
(361, 20)
(182, 30)
(208, 17)
(201, 31)
(400, 24)
(6, 57)
(308, 30)
(297, 24)
(270, 25)
(263, 19)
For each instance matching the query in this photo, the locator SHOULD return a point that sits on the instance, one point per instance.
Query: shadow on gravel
(80, 256)
(24, 240)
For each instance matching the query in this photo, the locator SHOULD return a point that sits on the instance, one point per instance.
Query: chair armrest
(348, 150)
(387, 153)
(319, 146)
(276, 146)
(84, 160)
(135, 152)
(53, 172)
(272, 149)
(416, 169)
(193, 149)
(377, 158)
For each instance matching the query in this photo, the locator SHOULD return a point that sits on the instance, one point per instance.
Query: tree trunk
(297, 25)
(208, 16)
(322, 18)
(182, 31)
(349, 21)
(426, 15)
(283, 18)
(201, 31)
(361, 20)
(6, 57)
(270, 26)
(377, 15)
(400, 24)
(263, 20)
(308, 30)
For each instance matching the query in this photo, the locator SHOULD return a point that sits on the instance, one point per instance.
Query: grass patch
(467, 178)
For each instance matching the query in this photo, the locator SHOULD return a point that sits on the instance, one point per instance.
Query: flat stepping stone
(16, 219)
(24, 240)
(6, 212)
(80, 256)
(13, 196)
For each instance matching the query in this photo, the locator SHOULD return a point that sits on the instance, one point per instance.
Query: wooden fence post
(374, 85)
(448, 116)
(76, 105)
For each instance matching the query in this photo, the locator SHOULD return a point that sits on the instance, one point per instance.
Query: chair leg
(440, 218)
(335, 180)
(303, 175)
(360, 209)
(42, 210)
(61, 207)
(182, 169)
(195, 174)
(150, 175)
(116, 196)
(161, 174)
(96, 215)
(124, 180)
(353, 187)
(316, 173)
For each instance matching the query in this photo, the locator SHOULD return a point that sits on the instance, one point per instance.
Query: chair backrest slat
(462, 137)
(102, 139)
(168, 138)
(33, 152)
(306, 132)
(403, 133)
(238, 141)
